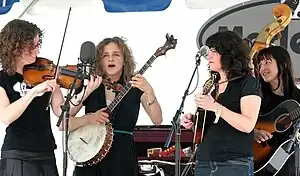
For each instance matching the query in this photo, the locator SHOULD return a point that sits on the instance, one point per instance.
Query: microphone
(87, 59)
(204, 50)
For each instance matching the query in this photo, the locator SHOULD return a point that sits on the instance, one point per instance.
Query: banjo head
(84, 142)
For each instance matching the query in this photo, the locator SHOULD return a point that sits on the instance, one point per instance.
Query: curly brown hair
(129, 64)
(234, 53)
(14, 38)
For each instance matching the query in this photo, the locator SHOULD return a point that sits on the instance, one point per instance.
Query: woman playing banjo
(115, 61)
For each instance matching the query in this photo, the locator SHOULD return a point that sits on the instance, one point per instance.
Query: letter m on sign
(5, 5)
(236, 29)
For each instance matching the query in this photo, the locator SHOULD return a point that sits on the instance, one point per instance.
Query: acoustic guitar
(271, 155)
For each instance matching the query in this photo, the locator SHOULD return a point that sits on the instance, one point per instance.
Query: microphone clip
(198, 58)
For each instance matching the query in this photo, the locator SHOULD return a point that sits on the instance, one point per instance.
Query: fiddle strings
(56, 72)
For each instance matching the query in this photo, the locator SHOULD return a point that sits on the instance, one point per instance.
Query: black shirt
(222, 141)
(128, 107)
(32, 130)
(270, 101)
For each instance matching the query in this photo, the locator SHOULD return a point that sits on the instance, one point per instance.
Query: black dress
(121, 159)
(28, 147)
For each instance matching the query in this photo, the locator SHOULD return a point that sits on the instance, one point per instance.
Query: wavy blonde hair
(129, 63)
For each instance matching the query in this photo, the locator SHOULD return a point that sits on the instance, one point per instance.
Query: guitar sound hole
(283, 123)
(264, 144)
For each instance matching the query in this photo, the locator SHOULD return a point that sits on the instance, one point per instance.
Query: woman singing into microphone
(226, 148)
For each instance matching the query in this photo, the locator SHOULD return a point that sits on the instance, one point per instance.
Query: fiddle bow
(62, 44)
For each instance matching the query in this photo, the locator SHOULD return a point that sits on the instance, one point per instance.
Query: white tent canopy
(212, 4)
(145, 31)
(46, 6)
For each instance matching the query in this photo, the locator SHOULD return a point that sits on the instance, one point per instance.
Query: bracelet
(218, 113)
(152, 102)
(219, 110)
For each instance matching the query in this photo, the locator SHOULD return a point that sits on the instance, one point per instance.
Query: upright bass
(283, 15)
(263, 153)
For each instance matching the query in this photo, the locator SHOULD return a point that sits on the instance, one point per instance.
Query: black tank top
(32, 130)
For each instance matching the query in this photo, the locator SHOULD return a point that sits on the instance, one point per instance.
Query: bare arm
(152, 107)
(11, 112)
(148, 99)
(92, 84)
(75, 122)
(98, 117)
(57, 101)
(245, 121)
(76, 100)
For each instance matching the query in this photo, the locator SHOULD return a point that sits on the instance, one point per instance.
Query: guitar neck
(126, 88)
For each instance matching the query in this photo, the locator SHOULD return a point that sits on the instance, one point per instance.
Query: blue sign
(135, 5)
(6, 5)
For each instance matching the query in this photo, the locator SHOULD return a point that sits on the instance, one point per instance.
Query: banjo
(89, 144)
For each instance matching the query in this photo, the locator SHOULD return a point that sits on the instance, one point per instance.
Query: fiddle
(44, 69)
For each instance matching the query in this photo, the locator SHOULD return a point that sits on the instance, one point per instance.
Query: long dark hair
(234, 53)
(284, 66)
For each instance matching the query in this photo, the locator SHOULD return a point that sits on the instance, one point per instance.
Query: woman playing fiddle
(226, 148)
(115, 61)
(29, 144)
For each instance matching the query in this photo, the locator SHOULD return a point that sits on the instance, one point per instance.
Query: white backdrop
(145, 32)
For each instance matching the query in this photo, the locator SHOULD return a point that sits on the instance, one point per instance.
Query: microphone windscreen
(204, 50)
(87, 52)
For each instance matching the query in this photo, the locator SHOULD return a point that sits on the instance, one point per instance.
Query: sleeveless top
(32, 130)
(121, 158)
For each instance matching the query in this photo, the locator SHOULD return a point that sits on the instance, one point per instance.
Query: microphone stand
(176, 124)
(297, 148)
(65, 115)
(295, 140)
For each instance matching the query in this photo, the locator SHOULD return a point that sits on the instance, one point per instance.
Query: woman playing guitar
(274, 70)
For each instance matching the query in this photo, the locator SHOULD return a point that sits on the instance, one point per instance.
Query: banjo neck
(170, 43)
(126, 88)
